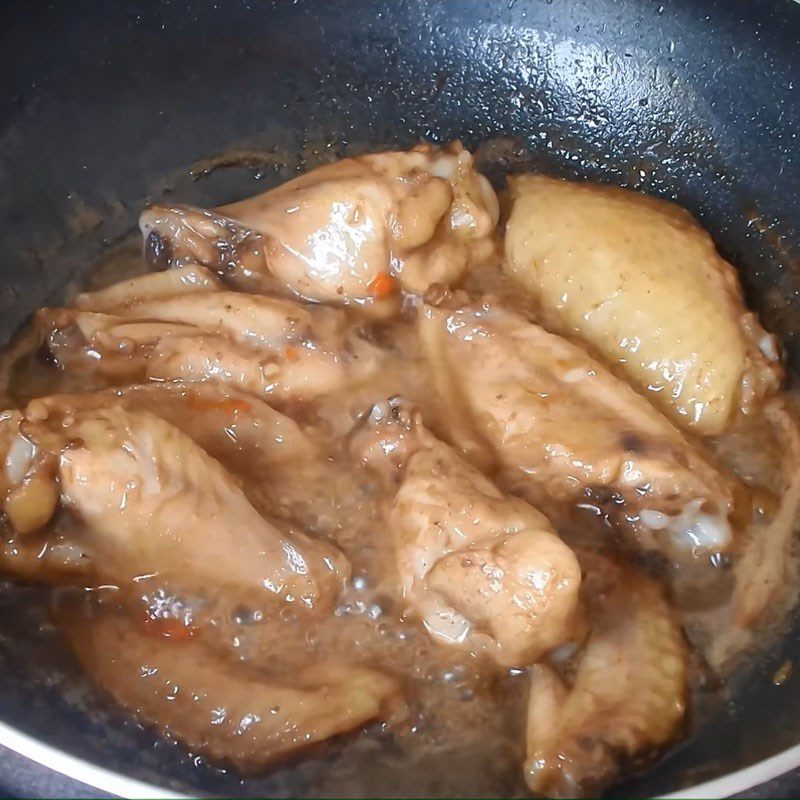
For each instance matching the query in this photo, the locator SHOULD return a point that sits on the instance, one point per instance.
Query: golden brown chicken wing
(280, 467)
(232, 712)
(150, 503)
(261, 345)
(123, 296)
(641, 282)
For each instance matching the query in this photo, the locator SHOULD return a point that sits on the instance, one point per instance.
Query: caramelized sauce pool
(462, 732)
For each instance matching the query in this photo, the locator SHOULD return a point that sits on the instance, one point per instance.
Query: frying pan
(105, 106)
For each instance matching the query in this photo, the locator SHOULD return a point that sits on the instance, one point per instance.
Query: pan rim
(745, 778)
(80, 769)
(119, 785)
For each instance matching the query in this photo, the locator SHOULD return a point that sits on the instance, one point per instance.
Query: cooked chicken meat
(261, 345)
(480, 569)
(234, 428)
(563, 430)
(628, 695)
(153, 503)
(350, 232)
(275, 461)
(126, 295)
(254, 320)
(765, 563)
(640, 282)
(235, 713)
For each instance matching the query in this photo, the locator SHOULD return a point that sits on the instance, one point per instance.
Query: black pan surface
(106, 105)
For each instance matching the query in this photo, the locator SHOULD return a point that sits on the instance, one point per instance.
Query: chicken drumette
(151, 505)
(351, 232)
(480, 569)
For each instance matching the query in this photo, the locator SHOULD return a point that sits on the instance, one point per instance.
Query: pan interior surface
(107, 107)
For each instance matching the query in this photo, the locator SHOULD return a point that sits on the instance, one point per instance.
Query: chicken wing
(153, 503)
(345, 232)
(563, 430)
(641, 282)
(480, 569)
(230, 712)
(763, 569)
(628, 696)
(281, 468)
(150, 286)
(230, 426)
(261, 345)
(256, 320)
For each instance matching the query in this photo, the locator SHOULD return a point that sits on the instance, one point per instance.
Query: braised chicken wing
(563, 430)
(350, 232)
(275, 461)
(480, 569)
(628, 694)
(642, 283)
(123, 296)
(232, 712)
(152, 503)
(261, 345)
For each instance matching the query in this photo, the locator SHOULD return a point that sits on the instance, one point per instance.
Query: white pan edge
(114, 783)
(80, 770)
(743, 779)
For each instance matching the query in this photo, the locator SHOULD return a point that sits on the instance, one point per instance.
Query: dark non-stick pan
(106, 105)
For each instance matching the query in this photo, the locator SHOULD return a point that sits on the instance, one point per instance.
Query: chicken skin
(352, 232)
(123, 296)
(275, 461)
(261, 345)
(481, 570)
(152, 503)
(236, 714)
(628, 695)
(563, 430)
(639, 281)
